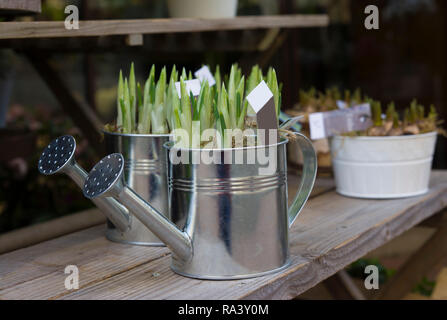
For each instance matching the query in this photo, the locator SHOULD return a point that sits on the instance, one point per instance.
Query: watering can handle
(307, 178)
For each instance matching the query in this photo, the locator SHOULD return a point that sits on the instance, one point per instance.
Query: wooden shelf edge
(20, 7)
(97, 28)
(40, 232)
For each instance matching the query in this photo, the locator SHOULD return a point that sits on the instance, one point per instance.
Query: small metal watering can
(229, 220)
(144, 172)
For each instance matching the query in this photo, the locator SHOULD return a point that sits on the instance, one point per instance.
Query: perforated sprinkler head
(105, 177)
(57, 155)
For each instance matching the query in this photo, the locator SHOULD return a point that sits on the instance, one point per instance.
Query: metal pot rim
(168, 146)
(134, 134)
(404, 137)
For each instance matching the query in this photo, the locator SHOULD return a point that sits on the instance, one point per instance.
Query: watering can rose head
(57, 155)
(104, 176)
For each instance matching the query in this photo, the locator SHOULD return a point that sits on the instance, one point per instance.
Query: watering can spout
(106, 180)
(178, 241)
(58, 157)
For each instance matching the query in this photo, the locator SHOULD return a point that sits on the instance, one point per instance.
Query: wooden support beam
(418, 265)
(80, 113)
(341, 287)
(90, 80)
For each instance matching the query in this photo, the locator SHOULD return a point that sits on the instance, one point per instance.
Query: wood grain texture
(418, 265)
(40, 232)
(331, 232)
(95, 28)
(20, 6)
(440, 291)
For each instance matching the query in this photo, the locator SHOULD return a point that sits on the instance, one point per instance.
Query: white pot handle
(307, 178)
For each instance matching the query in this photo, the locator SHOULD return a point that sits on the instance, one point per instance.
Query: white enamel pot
(383, 167)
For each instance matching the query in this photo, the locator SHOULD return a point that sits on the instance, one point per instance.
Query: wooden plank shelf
(330, 233)
(19, 7)
(101, 28)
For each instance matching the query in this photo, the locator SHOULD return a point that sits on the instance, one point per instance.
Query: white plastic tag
(259, 96)
(316, 124)
(341, 104)
(327, 124)
(203, 74)
(191, 86)
(262, 102)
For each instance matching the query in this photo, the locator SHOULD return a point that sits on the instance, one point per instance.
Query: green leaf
(238, 105)
(127, 116)
(174, 75)
(120, 96)
(160, 90)
(123, 112)
(185, 104)
(133, 95)
(218, 78)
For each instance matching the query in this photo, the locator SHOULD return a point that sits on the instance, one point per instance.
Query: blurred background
(404, 59)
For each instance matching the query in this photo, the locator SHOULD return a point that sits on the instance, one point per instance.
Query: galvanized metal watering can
(229, 219)
(144, 172)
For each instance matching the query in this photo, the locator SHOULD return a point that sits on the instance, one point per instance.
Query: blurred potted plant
(202, 8)
(392, 159)
(316, 101)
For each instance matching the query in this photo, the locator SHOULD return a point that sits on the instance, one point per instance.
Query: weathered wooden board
(40, 232)
(331, 232)
(56, 29)
(35, 264)
(440, 291)
(432, 252)
(19, 7)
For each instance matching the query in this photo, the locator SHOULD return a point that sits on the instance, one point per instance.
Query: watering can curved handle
(307, 178)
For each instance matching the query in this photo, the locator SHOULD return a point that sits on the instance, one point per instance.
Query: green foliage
(357, 269)
(376, 110)
(143, 111)
(390, 111)
(425, 287)
(158, 109)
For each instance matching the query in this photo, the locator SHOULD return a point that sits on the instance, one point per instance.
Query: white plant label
(328, 124)
(316, 124)
(341, 104)
(204, 74)
(191, 86)
(262, 101)
(259, 96)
